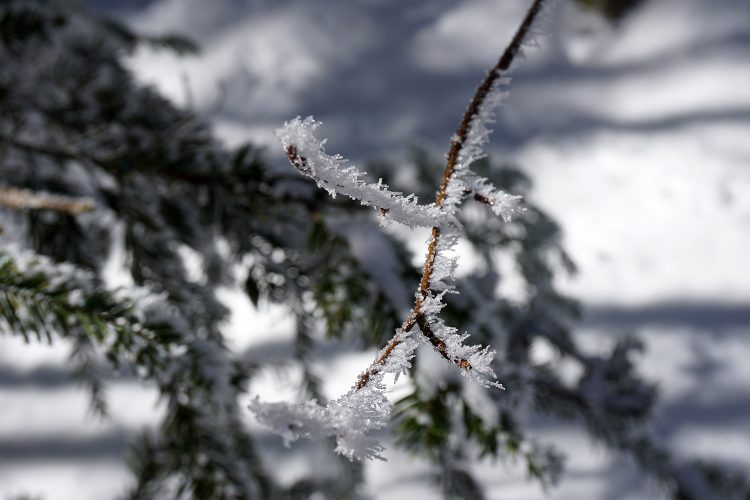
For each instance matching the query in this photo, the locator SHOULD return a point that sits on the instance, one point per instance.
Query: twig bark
(457, 143)
(24, 199)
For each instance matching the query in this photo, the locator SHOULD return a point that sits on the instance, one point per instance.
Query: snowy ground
(638, 141)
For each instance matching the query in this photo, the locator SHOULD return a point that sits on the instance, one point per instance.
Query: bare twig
(480, 95)
(457, 143)
(24, 199)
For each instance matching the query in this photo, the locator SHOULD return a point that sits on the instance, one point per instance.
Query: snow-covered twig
(307, 154)
(502, 204)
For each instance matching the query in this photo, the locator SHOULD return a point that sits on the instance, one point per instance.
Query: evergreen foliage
(74, 123)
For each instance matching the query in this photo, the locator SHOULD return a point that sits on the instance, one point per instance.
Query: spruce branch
(142, 332)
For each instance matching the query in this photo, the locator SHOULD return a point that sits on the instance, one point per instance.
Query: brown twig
(478, 197)
(438, 344)
(374, 368)
(298, 161)
(457, 143)
(24, 199)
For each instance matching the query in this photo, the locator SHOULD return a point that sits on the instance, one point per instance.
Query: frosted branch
(331, 172)
(365, 408)
(474, 361)
(502, 204)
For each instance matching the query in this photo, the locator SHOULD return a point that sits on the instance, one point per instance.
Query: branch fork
(459, 139)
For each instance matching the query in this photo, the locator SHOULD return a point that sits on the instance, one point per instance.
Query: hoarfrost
(503, 204)
(365, 408)
(354, 416)
(351, 418)
(477, 359)
(332, 173)
(479, 131)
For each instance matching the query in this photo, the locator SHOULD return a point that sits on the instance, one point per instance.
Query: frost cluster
(503, 204)
(350, 418)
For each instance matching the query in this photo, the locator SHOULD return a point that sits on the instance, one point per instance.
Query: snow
(85, 479)
(377, 256)
(446, 46)
(26, 414)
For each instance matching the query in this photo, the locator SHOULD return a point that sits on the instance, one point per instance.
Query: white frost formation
(332, 173)
(350, 418)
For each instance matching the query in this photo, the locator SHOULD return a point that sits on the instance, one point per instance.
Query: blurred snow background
(637, 138)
